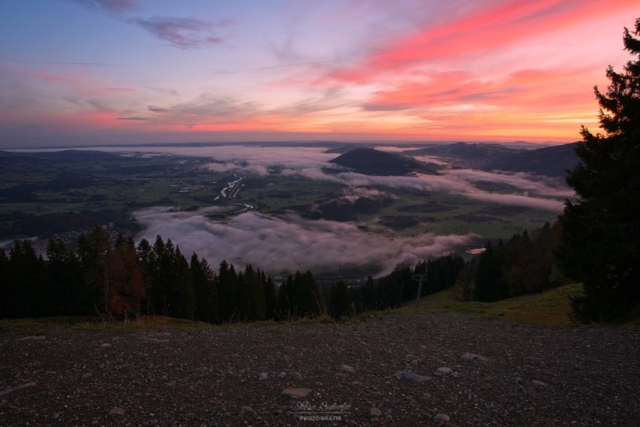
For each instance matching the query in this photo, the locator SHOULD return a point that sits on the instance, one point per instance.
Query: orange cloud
(526, 89)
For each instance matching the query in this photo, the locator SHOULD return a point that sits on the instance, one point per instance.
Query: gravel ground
(389, 371)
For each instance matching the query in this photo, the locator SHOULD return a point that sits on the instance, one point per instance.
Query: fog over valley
(303, 228)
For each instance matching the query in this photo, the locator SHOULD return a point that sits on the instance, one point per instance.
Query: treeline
(121, 280)
(523, 265)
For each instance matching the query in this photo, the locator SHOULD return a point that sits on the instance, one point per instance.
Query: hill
(551, 161)
(373, 162)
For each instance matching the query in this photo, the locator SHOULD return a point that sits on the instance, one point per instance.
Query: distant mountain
(551, 161)
(373, 162)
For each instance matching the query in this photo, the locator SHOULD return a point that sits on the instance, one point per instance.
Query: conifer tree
(65, 280)
(600, 241)
(4, 284)
(340, 300)
(205, 290)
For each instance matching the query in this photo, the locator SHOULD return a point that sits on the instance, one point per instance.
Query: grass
(39, 326)
(550, 308)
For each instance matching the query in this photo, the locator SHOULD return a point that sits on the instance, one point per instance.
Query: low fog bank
(292, 243)
(538, 192)
(533, 191)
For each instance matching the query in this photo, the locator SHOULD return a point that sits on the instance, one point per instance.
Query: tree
(93, 252)
(600, 239)
(205, 290)
(65, 280)
(490, 284)
(127, 288)
(340, 300)
(4, 284)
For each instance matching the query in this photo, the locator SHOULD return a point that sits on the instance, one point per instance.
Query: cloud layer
(537, 192)
(291, 243)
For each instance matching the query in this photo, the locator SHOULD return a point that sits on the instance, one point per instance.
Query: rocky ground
(428, 370)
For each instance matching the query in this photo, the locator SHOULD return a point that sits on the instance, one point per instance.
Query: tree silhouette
(601, 231)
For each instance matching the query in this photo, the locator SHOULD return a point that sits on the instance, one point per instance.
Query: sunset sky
(84, 72)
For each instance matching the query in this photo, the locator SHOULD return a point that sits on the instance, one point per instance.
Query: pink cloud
(500, 25)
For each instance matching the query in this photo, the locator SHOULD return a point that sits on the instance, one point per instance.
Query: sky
(96, 72)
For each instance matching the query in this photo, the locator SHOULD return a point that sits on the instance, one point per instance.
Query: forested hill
(373, 162)
(551, 161)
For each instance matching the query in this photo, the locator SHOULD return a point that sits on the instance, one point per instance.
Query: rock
(295, 376)
(427, 395)
(375, 412)
(263, 376)
(105, 345)
(442, 417)
(282, 374)
(19, 387)
(348, 369)
(277, 412)
(55, 415)
(33, 338)
(87, 375)
(471, 357)
(444, 370)
(296, 393)
(116, 411)
(246, 410)
(538, 382)
(411, 376)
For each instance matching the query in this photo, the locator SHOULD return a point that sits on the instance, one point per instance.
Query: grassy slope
(549, 308)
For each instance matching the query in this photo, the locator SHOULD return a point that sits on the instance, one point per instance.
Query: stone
(105, 345)
(246, 410)
(444, 370)
(296, 393)
(295, 376)
(87, 375)
(471, 357)
(33, 338)
(55, 415)
(116, 411)
(411, 376)
(375, 412)
(263, 376)
(346, 368)
(538, 382)
(442, 417)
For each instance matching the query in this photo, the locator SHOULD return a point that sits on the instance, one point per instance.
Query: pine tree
(340, 300)
(65, 280)
(600, 241)
(28, 291)
(227, 290)
(4, 285)
(93, 252)
(271, 299)
(205, 290)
